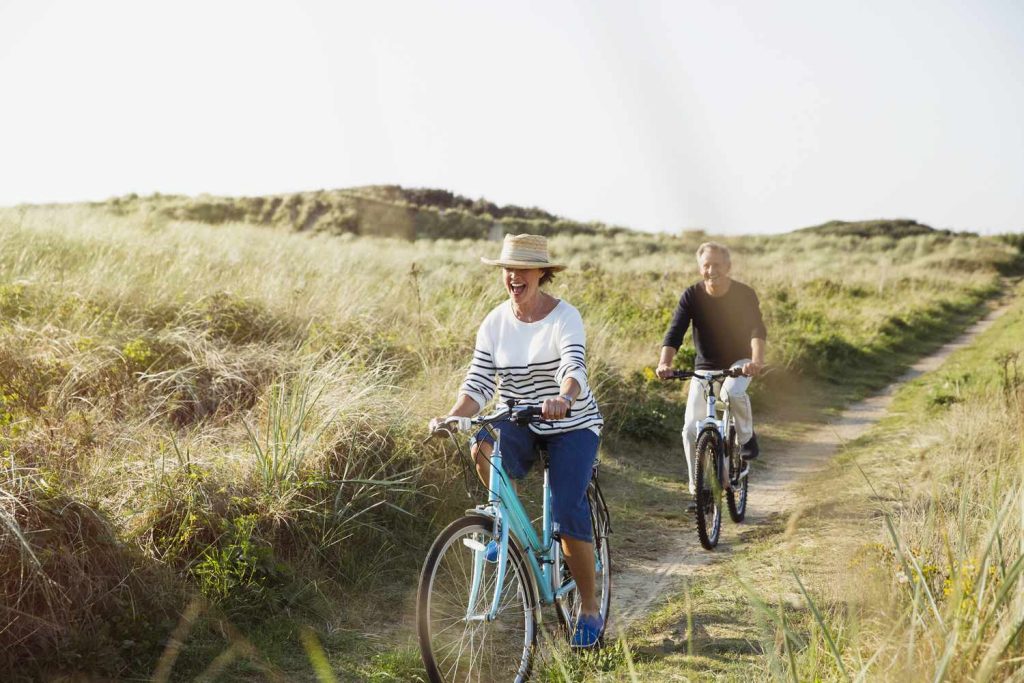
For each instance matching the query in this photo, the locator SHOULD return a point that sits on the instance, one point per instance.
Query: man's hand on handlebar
(664, 371)
(752, 369)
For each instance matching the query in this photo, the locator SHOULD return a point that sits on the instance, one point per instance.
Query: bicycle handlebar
(522, 416)
(706, 374)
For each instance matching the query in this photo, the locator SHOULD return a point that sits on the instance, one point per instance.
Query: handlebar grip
(523, 416)
(535, 411)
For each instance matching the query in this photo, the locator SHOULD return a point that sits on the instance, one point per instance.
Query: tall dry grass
(239, 409)
(939, 594)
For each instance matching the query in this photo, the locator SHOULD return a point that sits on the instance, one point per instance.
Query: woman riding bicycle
(531, 349)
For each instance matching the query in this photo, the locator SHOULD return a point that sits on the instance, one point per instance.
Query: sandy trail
(641, 583)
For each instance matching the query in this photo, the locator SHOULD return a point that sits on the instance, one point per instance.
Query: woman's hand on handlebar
(554, 408)
(464, 408)
(449, 424)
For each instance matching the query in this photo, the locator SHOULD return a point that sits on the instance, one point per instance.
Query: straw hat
(524, 251)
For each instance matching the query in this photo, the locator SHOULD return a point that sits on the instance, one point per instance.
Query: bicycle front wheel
(457, 640)
(709, 489)
(570, 605)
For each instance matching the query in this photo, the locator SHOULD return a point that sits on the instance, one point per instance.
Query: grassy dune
(213, 428)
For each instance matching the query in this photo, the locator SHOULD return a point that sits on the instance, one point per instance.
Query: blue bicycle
(487, 574)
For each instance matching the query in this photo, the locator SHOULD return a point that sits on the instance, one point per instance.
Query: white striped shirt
(529, 362)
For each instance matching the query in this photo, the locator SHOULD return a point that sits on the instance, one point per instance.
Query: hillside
(379, 211)
(895, 228)
(214, 429)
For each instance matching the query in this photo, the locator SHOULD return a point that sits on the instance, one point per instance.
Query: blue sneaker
(588, 631)
(491, 551)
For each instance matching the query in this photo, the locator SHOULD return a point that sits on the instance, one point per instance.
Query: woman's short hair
(548, 276)
(714, 246)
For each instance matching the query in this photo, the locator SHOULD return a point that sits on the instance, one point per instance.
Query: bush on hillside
(75, 596)
(435, 214)
(895, 228)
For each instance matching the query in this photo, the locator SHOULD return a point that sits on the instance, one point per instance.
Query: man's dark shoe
(749, 450)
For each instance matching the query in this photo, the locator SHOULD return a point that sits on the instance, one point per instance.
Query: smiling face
(522, 284)
(714, 268)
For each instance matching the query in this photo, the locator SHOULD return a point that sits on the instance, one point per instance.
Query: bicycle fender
(708, 423)
(483, 511)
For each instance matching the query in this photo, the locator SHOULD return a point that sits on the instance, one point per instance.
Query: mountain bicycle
(718, 465)
(478, 612)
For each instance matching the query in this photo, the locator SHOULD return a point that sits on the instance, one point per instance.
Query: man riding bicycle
(728, 332)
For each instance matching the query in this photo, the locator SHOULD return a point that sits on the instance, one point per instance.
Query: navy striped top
(529, 361)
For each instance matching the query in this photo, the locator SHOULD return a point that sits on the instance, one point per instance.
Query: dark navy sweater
(722, 326)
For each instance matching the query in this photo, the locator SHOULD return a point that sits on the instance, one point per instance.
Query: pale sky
(735, 117)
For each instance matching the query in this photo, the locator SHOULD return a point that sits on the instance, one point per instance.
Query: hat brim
(523, 264)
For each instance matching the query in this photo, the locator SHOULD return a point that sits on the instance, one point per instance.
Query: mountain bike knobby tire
(457, 649)
(736, 497)
(709, 488)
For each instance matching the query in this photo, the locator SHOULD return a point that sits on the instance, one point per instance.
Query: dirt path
(642, 583)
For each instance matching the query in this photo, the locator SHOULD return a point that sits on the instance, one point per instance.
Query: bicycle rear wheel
(709, 489)
(457, 642)
(569, 606)
(739, 475)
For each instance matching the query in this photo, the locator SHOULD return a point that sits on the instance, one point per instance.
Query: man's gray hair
(714, 246)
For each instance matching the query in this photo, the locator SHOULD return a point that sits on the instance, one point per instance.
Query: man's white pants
(697, 409)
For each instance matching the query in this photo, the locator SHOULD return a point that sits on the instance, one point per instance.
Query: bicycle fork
(721, 427)
(501, 525)
(479, 560)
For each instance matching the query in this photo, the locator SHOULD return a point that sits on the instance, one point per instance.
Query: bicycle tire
(736, 496)
(502, 649)
(568, 607)
(709, 488)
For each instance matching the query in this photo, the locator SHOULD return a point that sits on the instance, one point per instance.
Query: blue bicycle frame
(510, 518)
